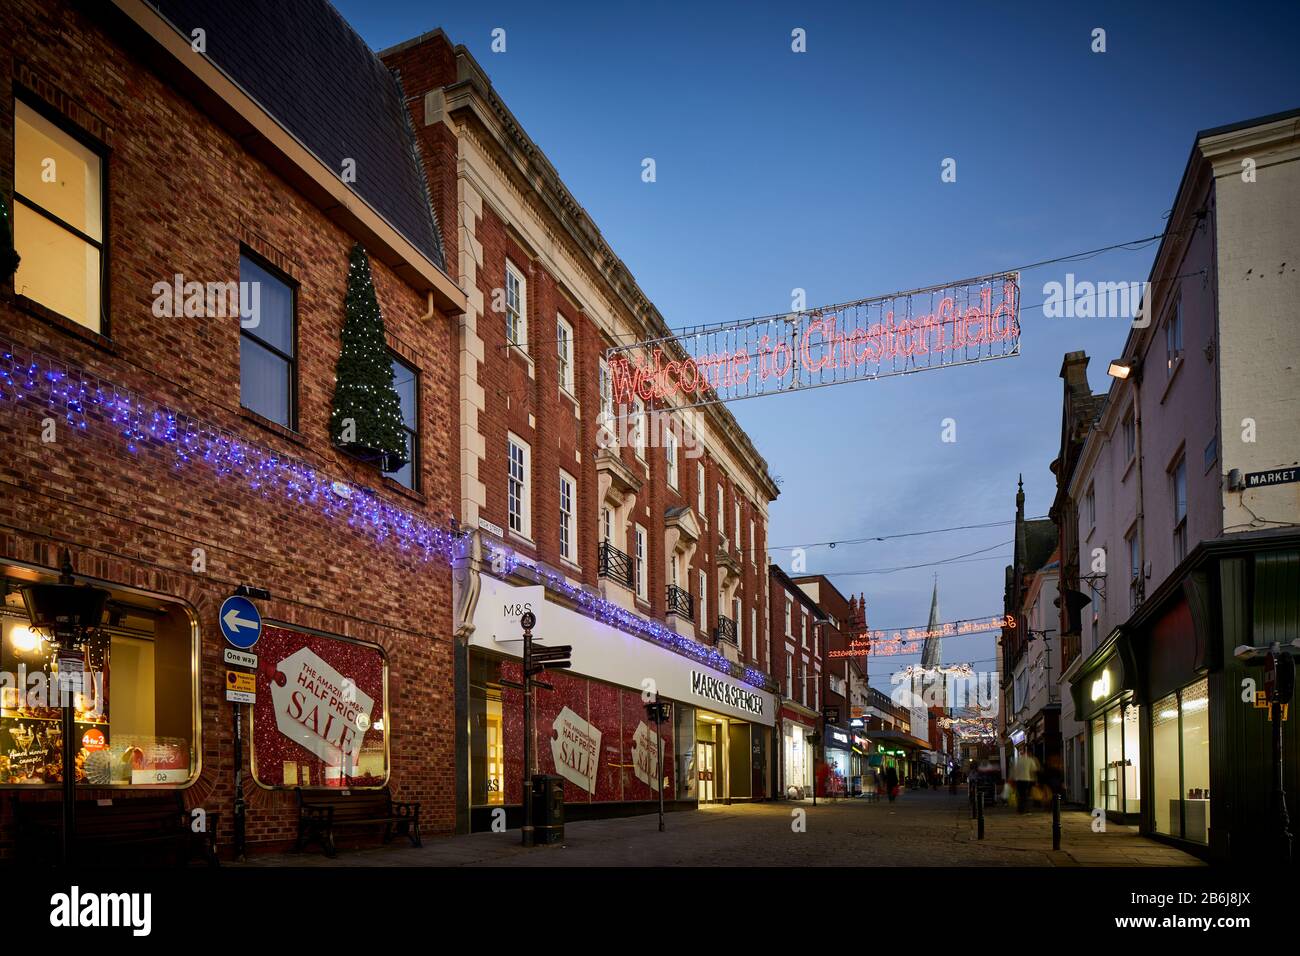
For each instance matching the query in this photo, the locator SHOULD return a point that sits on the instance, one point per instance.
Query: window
(704, 601)
(1090, 507)
(642, 584)
(722, 522)
(516, 307)
(699, 490)
(150, 646)
(817, 689)
(606, 419)
(736, 523)
(566, 515)
(1134, 569)
(517, 491)
(406, 381)
(753, 634)
(670, 456)
(1130, 436)
(267, 364)
(58, 218)
(564, 350)
(1174, 335)
(803, 629)
(789, 675)
(638, 427)
(803, 682)
(1178, 489)
(753, 551)
(737, 615)
(789, 630)
(606, 524)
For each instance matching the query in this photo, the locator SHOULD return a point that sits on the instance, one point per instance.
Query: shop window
(267, 343)
(136, 702)
(321, 714)
(58, 217)
(1180, 749)
(406, 382)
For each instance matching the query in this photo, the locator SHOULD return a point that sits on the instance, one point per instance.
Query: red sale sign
(318, 720)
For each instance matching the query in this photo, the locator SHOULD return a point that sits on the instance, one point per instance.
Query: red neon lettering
(740, 360)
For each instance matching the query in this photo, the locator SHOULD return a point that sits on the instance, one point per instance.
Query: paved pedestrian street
(923, 828)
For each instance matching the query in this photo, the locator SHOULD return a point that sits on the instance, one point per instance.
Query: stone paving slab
(920, 829)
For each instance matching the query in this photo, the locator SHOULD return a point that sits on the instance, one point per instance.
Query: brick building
(636, 531)
(179, 452)
(798, 660)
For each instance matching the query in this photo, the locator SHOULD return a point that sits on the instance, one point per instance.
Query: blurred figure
(891, 782)
(1024, 774)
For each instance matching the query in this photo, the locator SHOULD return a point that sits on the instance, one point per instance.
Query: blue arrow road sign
(240, 622)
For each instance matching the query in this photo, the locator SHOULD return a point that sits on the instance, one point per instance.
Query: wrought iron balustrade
(615, 565)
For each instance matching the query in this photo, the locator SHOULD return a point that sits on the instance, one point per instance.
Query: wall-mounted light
(1120, 369)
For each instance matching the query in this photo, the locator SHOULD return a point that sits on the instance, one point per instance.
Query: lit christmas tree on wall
(8, 254)
(367, 416)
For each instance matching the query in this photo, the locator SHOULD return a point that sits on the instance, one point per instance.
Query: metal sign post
(527, 621)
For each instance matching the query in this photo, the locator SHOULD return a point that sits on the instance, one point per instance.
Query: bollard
(1056, 821)
(979, 806)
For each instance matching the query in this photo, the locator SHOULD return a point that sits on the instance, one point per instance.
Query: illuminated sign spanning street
(888, 643)
(960, 323)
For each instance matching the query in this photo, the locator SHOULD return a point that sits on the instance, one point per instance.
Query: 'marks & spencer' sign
(733, 695)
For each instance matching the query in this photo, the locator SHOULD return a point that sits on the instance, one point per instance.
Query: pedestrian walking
(891, 782)
(1024, 774)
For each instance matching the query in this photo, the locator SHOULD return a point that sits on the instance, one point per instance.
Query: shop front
(798, 753)
(1104, 698)
(133, 686)
(590, 725)
(840, 762)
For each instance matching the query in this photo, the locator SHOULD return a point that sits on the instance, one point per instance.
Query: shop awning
(896, 738)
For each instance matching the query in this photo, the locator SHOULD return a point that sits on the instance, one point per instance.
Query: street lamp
(65, 612)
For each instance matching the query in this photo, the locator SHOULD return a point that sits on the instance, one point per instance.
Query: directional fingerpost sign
(241, 623)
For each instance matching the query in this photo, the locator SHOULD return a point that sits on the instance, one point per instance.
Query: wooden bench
(114, 831)
(321, 812)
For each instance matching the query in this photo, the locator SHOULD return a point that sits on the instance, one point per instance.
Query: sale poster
(575, 748)
(318, 719)
(645, 755)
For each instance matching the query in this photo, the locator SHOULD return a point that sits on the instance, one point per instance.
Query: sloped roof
(310, 70)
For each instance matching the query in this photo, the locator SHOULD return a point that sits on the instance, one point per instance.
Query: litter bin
(548, 808)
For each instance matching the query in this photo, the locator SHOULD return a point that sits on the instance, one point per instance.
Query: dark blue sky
(821, 170)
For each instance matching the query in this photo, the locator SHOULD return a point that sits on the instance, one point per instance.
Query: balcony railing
(726, 629)
(680, 602)
(615, 565)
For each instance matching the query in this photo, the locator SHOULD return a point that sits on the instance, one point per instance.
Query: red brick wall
(555, 435)
(182, 196)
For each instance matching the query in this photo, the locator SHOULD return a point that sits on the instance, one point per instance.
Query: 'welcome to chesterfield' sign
(733, 695)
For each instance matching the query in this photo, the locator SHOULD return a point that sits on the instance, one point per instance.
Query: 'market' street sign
(1279, 476)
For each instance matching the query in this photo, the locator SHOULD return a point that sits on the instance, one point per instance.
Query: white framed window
(736, 522)
(1178, 489)
(817, 689)
(516, 307)
(753, 551)
(568, 496)
(564, 352)
(670, 456)
(1130, 436)
(518, 487)
(606, 524)
(789, 611)
(722, 511)
(1090, 507)
(738, 613)
(699, 491)
(638, 427)
(753, 634)
(789, 675)
(704, 601)
(606, 420)
(1174, 336)
(803, 682)
(803, 629)
(642, 567)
